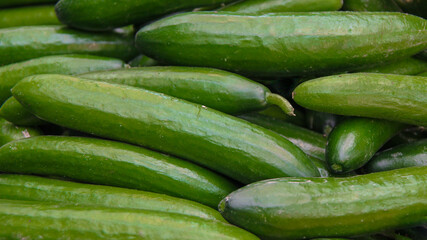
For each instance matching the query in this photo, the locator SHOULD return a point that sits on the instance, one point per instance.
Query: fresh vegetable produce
(321, 122)
(12, 3)
(322, 166)
(28, 16)
(297, 208)
(143, 61)
(408, 135)
(371, 6)
(273, 6)
(424, 74)
(415, 7)
(10, 132)
(276, 112)
(14, 112)
(409, 66)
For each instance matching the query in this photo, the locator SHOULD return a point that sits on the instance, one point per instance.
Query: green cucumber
(14, 112)
(64, 64)
(355, 141)
(142, 61)
(371, 6)
(32, 188)
(28, 16)
(24, 43)
(115, 164)
(217, 89)
(409, 66)
(42, 220)
(13, 3)
(9, 132)
(424, 74)
(276, 112)
(415, 7)
(113, 14)
(304, 208)
(408, 135)
(321, 122)
(273, 6)
(231, 146)
(322, 166)
(407, 155)
(285, 44)
(385, 96)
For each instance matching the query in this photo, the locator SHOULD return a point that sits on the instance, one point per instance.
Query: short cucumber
(385, 96)
(142, 61)
(322, 122)
(115, 164)
(9, 132)
(285, 44)
(39, 41)
(272, 6)
(217, 89)
(371, 6)
(407, 155)
(409, 66)
(231, 146)
(33, 188)
(41, 220)
(305, 208)
(14, 112)
(28, 16)
(12, 3)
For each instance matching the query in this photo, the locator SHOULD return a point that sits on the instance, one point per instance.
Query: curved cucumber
(35, 220)
(217, 89)
(286, 44)
(403, 156)
(273, 6)
(226, 144)
(9, 132)
(12, 3)
(23, 43)
(409, 66)
(142, 61)
(305, 208)
(14, 112)
(115, 164)
(355, 141)
(32, 188)
(28, 16)
(371, 6)
(385, 96)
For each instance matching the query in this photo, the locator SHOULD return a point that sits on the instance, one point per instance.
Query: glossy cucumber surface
(409, 66)
(115, 164)
(12, 3)
(273, 6)
(14, 112)
(10, 132)
(385, 96)
(231, 146)
(24, 43)
(285, 44)
(371, 6)
(304, 208)
(28, 16)
(217, 89)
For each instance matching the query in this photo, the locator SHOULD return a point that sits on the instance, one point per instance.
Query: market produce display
(213, 119)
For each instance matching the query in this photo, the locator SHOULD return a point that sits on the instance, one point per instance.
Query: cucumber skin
(276, 112)
(115, 164)
(385, 96)
(39, 41)
(33, 188)
(403, 156)
(273, 6)
(231, 146)
(28, 16)
(32, 220)
(371, 6)
(409, 66)
(142, 61)
(295, 208)
(321, 122)
(296, 44)
(14, 112)
(12, 3)
(9, 132)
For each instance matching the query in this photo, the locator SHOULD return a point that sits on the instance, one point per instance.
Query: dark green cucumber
(12, 3)
(142, 61)
(231, 146)
(115, 164)
(371, 6)
(407, 155)
(304, 208)
(409, 66)
(14, 112)
(385, 96)
(112, 14)
(355, 141)
(415, 7)
(273, 6)
(286, 44)
(24, 43)
(408, 135)
(32, 188)
(276, 112)
(64, 64)
(321, 122)
(217, 89)
(9, 132)
(35, 220)
(28, 16)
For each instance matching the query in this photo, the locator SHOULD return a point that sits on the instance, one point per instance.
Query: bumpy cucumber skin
(408, 155)
(142, 61)
(286, 44)
(118, 13)
(33, 188)
(296, 208)
(115, 164)
(24, 43)
(273, 6)
(9, 132)
(14, 112)
(371, 6)
(32, 220)
(12, 3)
(234, 147)
(385, 96)
(355, 141)
(409, 66)
(28, 16)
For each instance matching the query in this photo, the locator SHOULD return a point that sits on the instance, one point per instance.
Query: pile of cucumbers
(213, 119)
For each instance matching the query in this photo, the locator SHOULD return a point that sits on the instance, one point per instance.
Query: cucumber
(409, 66)
(408, 135)
(112, 14)
(14, 112)
(273, 6)
(64, 64)
(321, 122)
(276, 112)
(231, 146)
(35, 220)
(12, 3)
(415, 7)
(28, 16)
(355, 141)
(9, 132)
(301, 208)
(403, 156)
(217, 89)
(385, 96)
(424, 74)
(371, 6)
(115, 164)
(285, 44)
(33, 188)
(321, 166)
(24, 43)
(142, 61)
